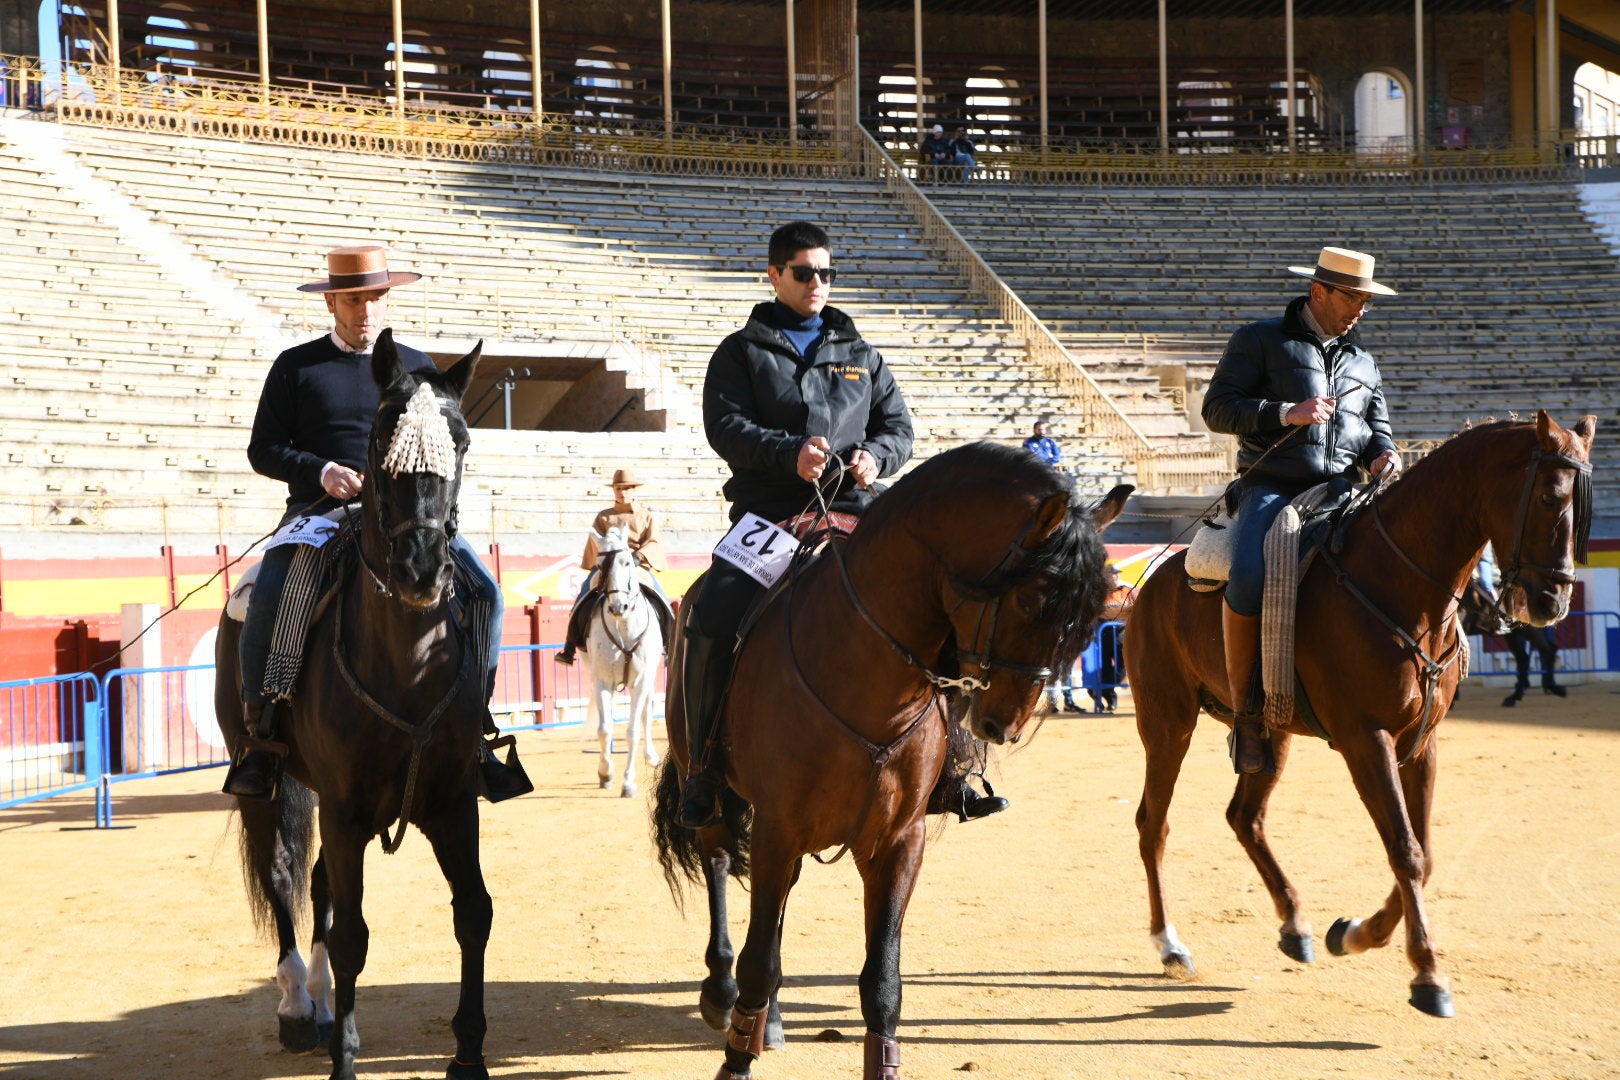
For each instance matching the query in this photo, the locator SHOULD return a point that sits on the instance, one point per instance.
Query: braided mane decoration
(422, 442)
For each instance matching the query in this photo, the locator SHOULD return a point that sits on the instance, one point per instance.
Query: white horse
(624, 646)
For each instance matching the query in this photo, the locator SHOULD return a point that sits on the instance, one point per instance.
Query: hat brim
(625, 483)
(1367, 287)
(401, 277)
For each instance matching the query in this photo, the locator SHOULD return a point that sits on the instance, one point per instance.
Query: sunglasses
(802, 274)
(1364, 299)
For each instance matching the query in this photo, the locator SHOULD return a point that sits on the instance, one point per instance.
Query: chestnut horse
(1376, 658)
(976, 574)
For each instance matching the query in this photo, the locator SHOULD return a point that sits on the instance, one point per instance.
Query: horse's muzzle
(420, 569)
(1542, 607)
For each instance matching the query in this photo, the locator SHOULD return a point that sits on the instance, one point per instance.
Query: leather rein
(1433, 668)
(634, 600)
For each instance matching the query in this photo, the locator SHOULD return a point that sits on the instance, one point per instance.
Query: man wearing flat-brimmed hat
(641, 533)
(311, 432)
(1306, 402)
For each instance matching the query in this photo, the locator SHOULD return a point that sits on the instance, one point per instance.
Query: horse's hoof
(1510, 701)
(775, 1037)
(300, 1036)
(460, 1070)
(1298, 947)
(1335, 935)
(1179, 965)
(629, 791)
(716, 1014)
(1433, 1000)
(604, 782)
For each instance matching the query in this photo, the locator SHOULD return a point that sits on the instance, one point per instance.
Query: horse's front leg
(759, 965)
(454, 837)
(1399, 802)
(639, 691)
(1246, 814)
(343, 849)
(604, 734)
(1166, 728)
(318, 982)
(889, 875)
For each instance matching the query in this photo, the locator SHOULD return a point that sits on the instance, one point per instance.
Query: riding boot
(499, 780)
(1068, 702)
(974, 806)
(1250, 742)
(255, 773)
(574, 639)
(1549, 685)
(704, 675)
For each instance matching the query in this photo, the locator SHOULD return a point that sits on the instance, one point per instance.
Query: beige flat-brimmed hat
(355, 269)
(625, 478)
(1344, 269)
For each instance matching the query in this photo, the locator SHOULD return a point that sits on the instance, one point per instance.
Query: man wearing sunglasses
(787, 399)
(1306, 402)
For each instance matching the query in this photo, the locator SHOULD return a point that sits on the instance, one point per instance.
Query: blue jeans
(1259, 507)
(259, 626)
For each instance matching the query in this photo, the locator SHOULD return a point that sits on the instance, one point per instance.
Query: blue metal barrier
(166, 724)
(1588, 642)
(529, 682)
(50, 737)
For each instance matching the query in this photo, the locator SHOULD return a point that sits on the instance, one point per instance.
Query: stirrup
(1250, 746)
(700, 802)
(498, 780)
(565, 656)
(255, 771)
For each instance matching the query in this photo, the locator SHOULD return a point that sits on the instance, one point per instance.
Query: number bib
(313, 531)
(759, 548)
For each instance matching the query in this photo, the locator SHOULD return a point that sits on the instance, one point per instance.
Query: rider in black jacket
(792, 388)
(1305, 370)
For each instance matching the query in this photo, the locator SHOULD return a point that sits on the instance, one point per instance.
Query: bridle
(1433, 668)
(984, 629)
(626, 650)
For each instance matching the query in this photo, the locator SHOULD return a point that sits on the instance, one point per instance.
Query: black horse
(385, 728)
(1478, 618)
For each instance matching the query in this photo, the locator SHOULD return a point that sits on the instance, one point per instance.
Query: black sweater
(317, 406)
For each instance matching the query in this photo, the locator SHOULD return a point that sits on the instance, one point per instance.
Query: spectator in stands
(1044, 446)
(1305, 400)
(937, 152)
(312, 431)
(641, 530)
(787, 399)
(962, 151)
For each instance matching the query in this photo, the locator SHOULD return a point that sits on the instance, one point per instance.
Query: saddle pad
(236, 606)
(1209, 556)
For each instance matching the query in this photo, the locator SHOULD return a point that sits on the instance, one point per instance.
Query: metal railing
(1587, 641)
(67, 733)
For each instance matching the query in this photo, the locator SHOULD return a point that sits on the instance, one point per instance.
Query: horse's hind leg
(1166, 729)
(719, 990)
(455, 844)
(275, 848)
(1246, 814)
(1399, 800)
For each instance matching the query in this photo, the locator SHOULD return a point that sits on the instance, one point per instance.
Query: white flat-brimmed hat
(356, 269)
(1344, 269)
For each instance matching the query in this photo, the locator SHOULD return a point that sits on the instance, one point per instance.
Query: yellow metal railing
(1099, 415)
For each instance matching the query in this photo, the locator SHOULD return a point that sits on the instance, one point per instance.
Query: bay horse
(1376, 651)
(624, 647)
(975, 577)
(385, 727)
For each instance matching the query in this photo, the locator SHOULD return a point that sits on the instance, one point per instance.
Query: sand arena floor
(129, 953)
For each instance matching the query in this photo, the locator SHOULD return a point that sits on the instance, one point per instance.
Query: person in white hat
(641, 531)
(937, 152)
(311, 431)
(1305, 399)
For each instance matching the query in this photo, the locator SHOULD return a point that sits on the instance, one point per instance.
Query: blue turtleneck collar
(804, 333)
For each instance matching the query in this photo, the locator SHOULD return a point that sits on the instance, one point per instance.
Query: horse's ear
(1585, 430)
(459, 376)
(1544, 430)
(1053, 512)
(386, 370)
(1110, 507)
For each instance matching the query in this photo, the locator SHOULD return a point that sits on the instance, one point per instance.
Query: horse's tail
(680, 850)
(276, 847)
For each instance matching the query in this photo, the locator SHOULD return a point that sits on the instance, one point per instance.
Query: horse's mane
(1070, 561)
